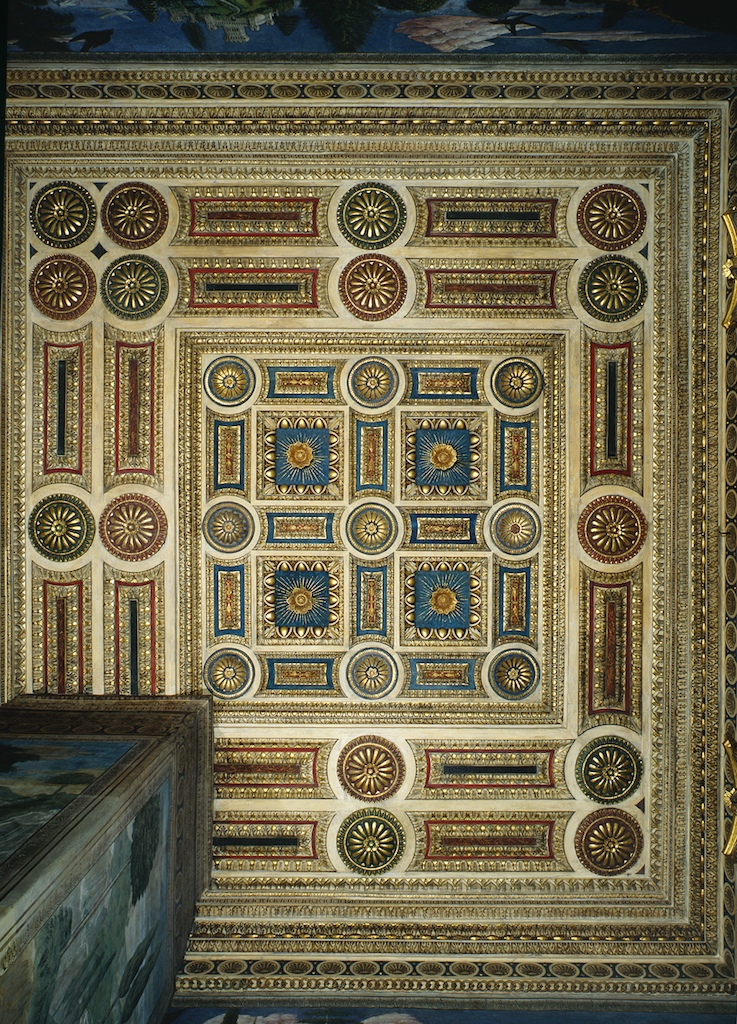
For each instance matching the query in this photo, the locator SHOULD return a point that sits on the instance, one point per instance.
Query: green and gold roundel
(61, 527)
(612, 288)
(63, 214)
(371, 215)
(134, 287)
(609, 769)
(370, 841)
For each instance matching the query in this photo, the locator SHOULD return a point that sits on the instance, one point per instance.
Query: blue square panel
(443, 598)
(302, 598)
(443, 457)
(302, 456)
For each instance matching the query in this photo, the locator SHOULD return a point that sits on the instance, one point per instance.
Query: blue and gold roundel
(513, 674)
(229, 381)
(515, 529)
(228, 674)
(228, 527)
(517, 382)
(371, 529)
(373, 383)
(372, 673)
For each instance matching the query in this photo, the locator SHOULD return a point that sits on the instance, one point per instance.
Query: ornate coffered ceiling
(386, 406)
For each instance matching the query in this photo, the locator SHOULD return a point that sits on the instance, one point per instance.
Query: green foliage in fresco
(144, 845)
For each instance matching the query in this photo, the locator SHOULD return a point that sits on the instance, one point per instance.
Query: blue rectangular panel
(428, 675)
(514, 601)
(371, 594)
(444, 383)
(372, 455)
(299, 527)
(299, 674)
(229, 597)
(515, 455)
(449, 529)
(301, 382)
(229, 455)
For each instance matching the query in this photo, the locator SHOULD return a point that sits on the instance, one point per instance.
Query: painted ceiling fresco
(498, 27)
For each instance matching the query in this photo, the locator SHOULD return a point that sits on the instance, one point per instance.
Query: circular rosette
(515, 529)
(134, 287)
(228, 527)
(228, 674)
(372, 287)
(513, 674)
(62, 287)
(61, 527)
(370, 768)
(612, 288)
(371, 529)
(611, 217)
(517, 382)
(134, 215)
(229, 381)
(371, 215)
(612, 529)
(609, 769)
(373, 383)
(372, 673)
(63, 214)
(608, 841)
(133, 527)
(370, 842)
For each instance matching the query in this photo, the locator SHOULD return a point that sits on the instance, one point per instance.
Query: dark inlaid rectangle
(492, 217)
(133, 642)
(251, 841)
(254, 288)
(503, 288)
(275, 286)
(61, 645)
(61, 407)
(612, 404)
(489, 769)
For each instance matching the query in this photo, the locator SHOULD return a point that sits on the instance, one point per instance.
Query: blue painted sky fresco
(38, 778)
(493, 27)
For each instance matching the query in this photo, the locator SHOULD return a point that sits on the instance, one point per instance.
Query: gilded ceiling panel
(395, 428)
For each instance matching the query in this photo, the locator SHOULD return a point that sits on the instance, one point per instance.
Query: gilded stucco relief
(372, 423)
